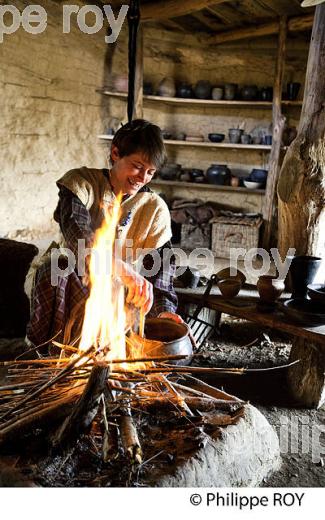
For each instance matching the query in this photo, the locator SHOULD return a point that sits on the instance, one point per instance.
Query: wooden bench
(306, 379)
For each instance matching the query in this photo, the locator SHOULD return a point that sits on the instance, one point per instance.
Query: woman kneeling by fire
(137, 151)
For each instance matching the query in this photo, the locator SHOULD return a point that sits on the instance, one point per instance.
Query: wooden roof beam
(163, 9)
(298, 23)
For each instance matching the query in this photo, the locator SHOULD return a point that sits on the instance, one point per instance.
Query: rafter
(298, 23)
(207, 22)
(163, 9)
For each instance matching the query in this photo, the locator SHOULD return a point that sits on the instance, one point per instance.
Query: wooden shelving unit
(274, 150)
(205, 144)
(202, 185)
(202, 102)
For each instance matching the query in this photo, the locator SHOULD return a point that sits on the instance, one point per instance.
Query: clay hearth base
(245, 454)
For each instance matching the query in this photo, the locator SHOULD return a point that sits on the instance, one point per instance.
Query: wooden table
(307, 378)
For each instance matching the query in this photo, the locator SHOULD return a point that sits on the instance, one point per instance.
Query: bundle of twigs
(67, 393)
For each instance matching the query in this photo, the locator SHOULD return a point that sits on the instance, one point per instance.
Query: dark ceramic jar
(266, 94)
(184, 91)
(303, 270)
(202, 89)
(219, 174)
(249, 92)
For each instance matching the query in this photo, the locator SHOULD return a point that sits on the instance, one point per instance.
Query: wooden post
(301, 188)
(138, 87)
(278, 127)
(301, 195)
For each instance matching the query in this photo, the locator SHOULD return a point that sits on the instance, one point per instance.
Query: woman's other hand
(171, 316)
(140, 291)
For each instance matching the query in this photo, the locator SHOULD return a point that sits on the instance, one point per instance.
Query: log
(301, 186)
(129, 438)
(307, 379)
(278, 127)
(198, 403)
(85, 410)
(164, 9)
(110, 435)
(300, 23)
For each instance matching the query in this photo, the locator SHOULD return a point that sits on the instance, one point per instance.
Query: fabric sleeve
(74, 220)
(165, 298)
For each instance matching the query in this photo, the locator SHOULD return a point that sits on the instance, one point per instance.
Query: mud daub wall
(50, 117)
(51, 114)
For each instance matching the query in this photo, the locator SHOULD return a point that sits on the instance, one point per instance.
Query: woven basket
(233, 232)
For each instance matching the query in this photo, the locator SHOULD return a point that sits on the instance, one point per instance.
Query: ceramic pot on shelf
(249, 92)
(217, 93)
(202, 89)
(184, 90)
(235, 135)
(166, 88)
(147, 88)
(218, 174)
(258, 175)
(266, 94)
(121, 83)
(230, 91)
(270, 288)
(293, 91)
(245, 139)
(303, 270)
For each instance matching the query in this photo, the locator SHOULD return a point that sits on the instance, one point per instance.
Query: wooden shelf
(199, 185)
(205, 144)
(202, 102)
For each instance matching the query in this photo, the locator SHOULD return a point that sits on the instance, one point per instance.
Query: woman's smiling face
(130, 173)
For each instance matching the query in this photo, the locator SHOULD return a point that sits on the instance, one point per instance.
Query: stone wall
(51, 113)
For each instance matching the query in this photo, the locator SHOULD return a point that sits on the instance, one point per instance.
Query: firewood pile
(91, 422)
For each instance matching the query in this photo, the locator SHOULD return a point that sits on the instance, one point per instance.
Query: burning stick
(110, 437)
(198, 403)
(86, 409)
(62, 374)
(129, 438)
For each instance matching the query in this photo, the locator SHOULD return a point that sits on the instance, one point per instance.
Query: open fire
(112, 381)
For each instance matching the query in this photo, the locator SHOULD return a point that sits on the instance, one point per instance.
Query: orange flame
(104, 322)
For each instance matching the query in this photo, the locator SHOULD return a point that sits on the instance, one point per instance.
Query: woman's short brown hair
(141, 136)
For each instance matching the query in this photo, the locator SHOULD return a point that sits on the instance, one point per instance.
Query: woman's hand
(140, 291)
(171, 316)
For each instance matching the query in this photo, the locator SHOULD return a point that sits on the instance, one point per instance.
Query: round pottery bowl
(200, 179)
(216, 138)
(229, 288)
(316, 292)
(227, 272)
(305, 312)
(252, 185)
(174, 337)
(258, 175)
